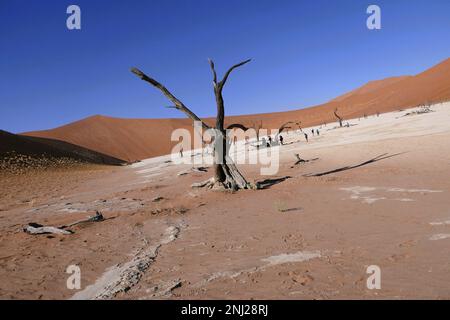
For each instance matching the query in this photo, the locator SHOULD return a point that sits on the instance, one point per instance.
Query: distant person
(312, 131)
(181, 152)
(306, 137)
(281, 139)
(317, 131)
(270, 140)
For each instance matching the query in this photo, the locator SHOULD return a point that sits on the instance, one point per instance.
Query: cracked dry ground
(304, 238)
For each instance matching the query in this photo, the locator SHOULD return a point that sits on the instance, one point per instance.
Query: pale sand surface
(303, 238)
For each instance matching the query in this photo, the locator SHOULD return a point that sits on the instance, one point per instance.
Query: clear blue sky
(304, 53)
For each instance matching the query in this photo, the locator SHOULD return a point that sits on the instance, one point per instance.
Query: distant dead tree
(257, 125)
(285, 126)
(226, 174)
(338, 117)
(236, 126)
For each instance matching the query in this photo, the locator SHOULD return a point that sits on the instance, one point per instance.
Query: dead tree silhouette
(286, 126)
(257, 125)
(339, 117)
(226, 174)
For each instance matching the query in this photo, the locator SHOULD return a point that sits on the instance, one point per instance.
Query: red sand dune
(136, 139)
(370, 86)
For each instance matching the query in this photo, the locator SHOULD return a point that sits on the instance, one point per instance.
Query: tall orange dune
(136, 139)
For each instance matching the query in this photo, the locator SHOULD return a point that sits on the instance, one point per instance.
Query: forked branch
(225, 78)
(221, 84)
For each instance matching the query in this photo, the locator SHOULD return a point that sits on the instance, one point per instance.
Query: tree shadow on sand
(265, 184)
(378, 158)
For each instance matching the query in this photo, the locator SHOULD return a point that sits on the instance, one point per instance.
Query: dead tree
(257, 126)
(284, 126)
(226, 174)
(337, 116)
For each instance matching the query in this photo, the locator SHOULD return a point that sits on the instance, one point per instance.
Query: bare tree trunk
(226, 173)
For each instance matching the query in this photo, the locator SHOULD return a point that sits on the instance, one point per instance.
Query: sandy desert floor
(308, 237)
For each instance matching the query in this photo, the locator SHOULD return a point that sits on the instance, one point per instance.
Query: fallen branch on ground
(36, 228)
(97, 218)
(300, 160)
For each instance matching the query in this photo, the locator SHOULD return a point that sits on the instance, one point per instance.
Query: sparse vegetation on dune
(16, 163)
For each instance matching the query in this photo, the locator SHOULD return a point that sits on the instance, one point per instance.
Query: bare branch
(178, 104)
(286, 125)
(211, 64)
(337, 116)
(237, 125)
(224, 80)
